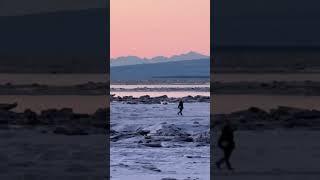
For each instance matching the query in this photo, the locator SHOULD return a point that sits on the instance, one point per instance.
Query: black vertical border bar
(212, 59)
(107, 43)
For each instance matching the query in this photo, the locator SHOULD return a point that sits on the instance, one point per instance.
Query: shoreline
(306, 88)
(280, 118)
(54, 121)
(297, 88)
(90, 88)
(159, 99)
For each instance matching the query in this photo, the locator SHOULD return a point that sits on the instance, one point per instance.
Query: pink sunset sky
(148, 28)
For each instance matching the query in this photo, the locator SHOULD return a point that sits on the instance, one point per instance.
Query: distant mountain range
(178, 69)
(134, 60)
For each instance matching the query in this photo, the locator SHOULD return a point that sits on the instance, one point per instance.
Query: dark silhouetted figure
(180, 107)
(227, 144)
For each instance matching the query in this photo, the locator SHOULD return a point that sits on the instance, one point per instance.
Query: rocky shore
(164, 135)
(158, 100)
(58, 121)
(278, 118)
(90, 88)
(53, 144)
(306, 88)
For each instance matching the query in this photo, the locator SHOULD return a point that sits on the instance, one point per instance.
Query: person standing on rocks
(227, 144)
(180, 107)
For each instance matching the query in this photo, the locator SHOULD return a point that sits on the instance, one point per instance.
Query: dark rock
(143, 132)
(113, 132)
(183, 139)
(152, 168)
(8, 107)
(8, 117)
(55, 116)
(100, 118)
(156, 145)
(31, 118)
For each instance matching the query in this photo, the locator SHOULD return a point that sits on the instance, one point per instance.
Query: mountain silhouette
(197, 68)
(133, 60)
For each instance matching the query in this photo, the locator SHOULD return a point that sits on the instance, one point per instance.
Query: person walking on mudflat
(180, 107)
(227, 144)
